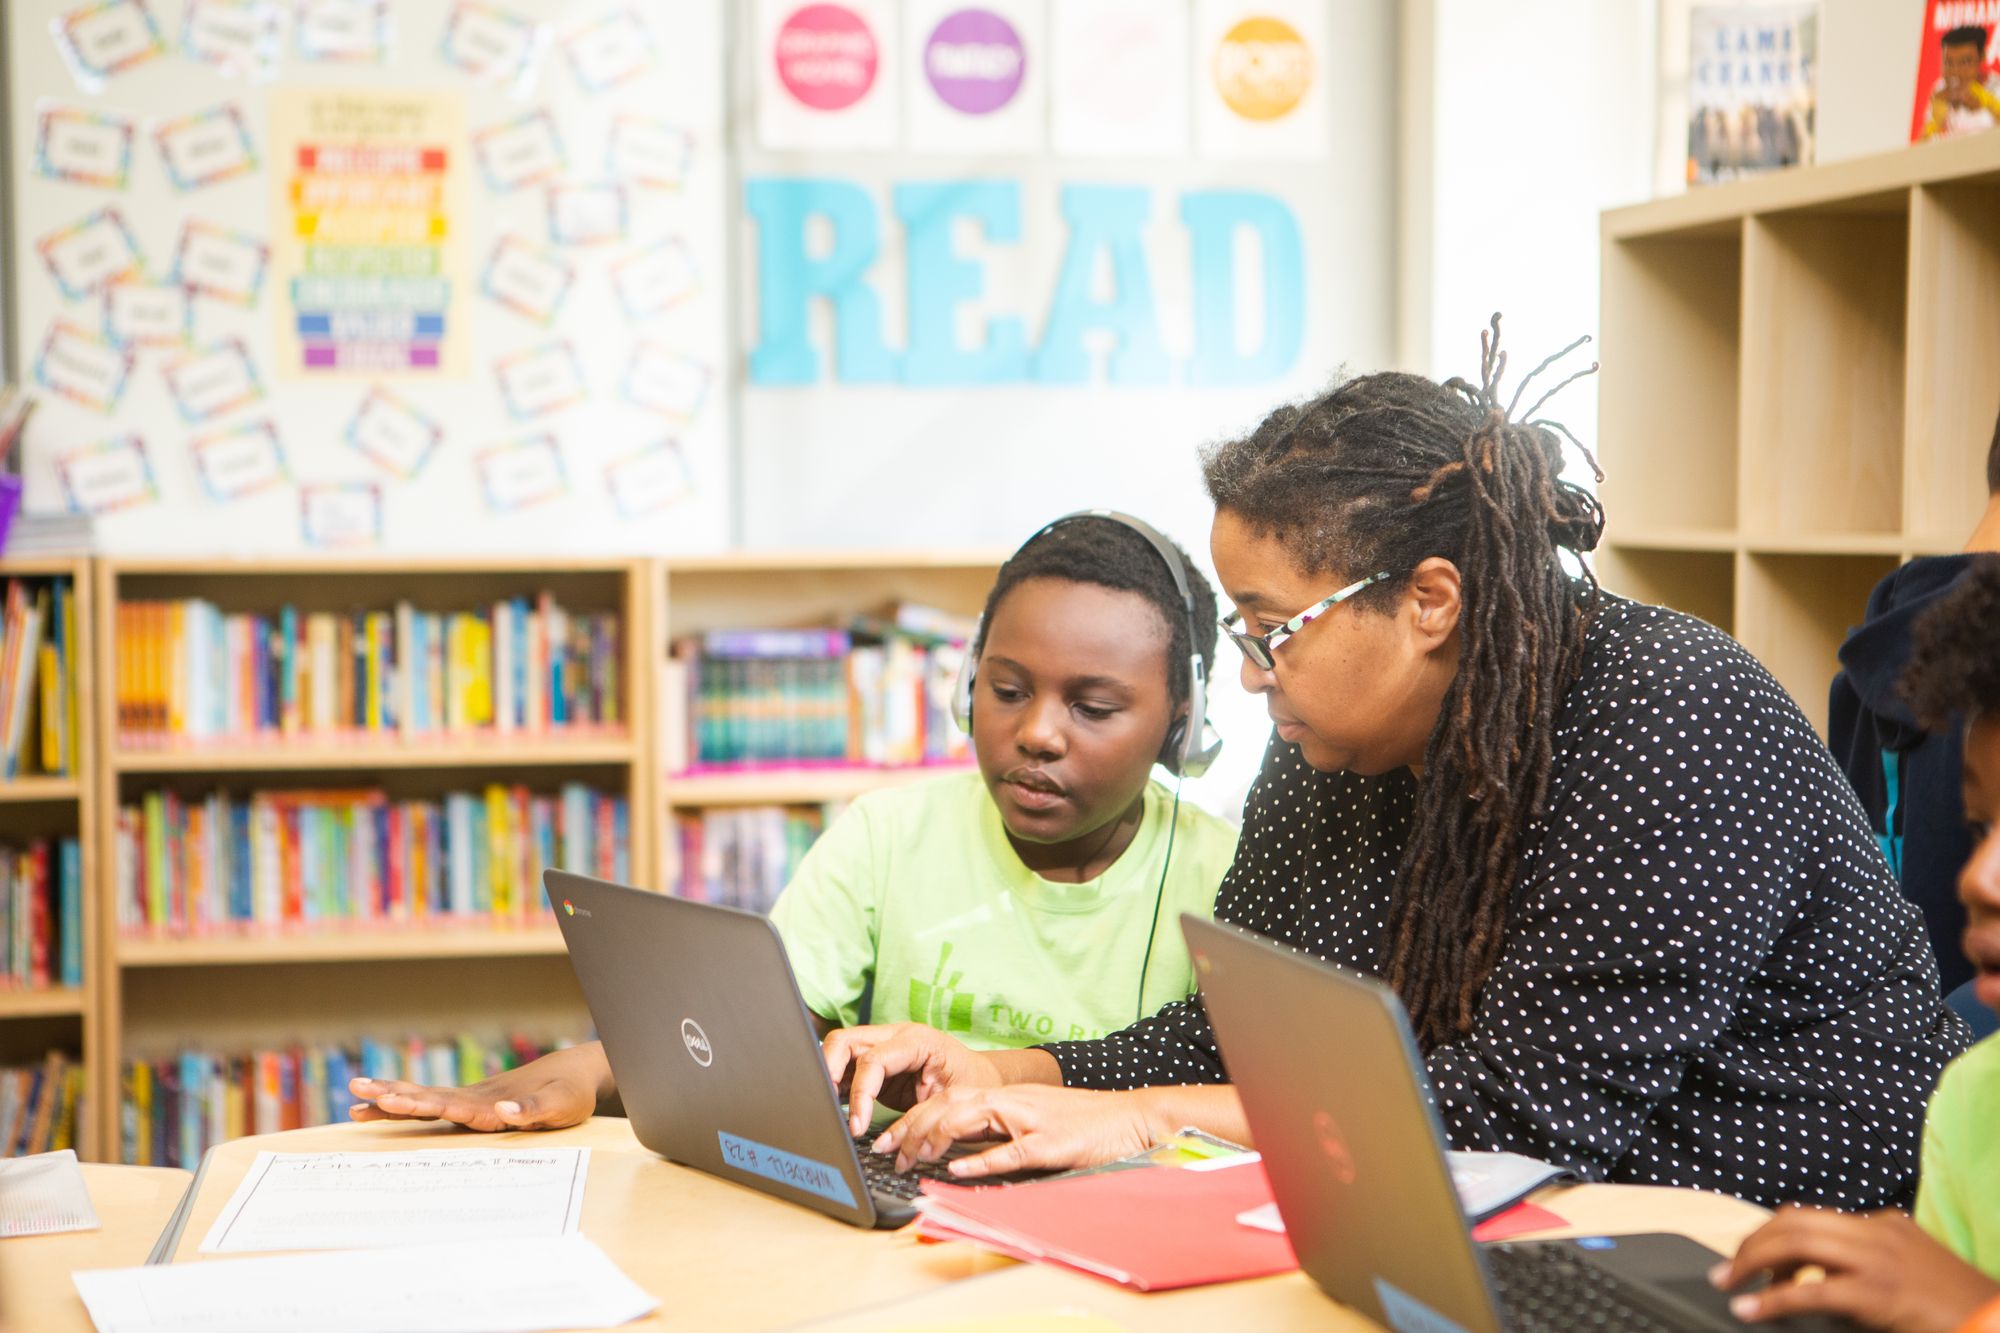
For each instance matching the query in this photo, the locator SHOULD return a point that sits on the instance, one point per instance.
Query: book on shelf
(39, 702)
(1958, 71)
(742, 856)
(876, 693)
(174, 1108)
(189, 671)
(41, 910)
(289, 861)
(39, 1104)
(1752, 88)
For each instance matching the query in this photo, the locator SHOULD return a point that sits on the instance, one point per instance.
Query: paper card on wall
(393, 434)
(1257, 79)
(649, 480)
(492, 43)
(647, 152)
(655, 280)
(666, 382)
(235, 36)
(214, 261)
(528, 280)
(83, 147)
(978, 76)
(213, 381)
(341, 515)
(586, 214)
(610, 51)
(207, 147)
(100, 40)
(240, 461)
(827, 75)
(346, 31)
(526, 472)
(95, 249)
(106, 477)
(148, 314)
(82, 367)
(1118, 78)
(523, 151)
(539, 380)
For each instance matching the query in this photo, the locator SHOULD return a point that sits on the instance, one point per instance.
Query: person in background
(1941, 1272)
(1036, 899)
(1907, 777)
(1965, 100)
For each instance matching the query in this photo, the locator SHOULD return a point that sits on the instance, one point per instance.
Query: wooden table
(718, 1255)
(133, 1202)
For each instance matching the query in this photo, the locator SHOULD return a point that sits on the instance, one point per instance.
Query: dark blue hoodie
(1871, 731)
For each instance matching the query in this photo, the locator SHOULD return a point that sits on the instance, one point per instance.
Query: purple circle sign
(975, 62)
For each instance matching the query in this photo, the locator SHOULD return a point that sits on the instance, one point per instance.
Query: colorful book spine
(41, 916)
(284, 861)
(39, 1104)
(743, 856)
(38, 662)
(190, 671)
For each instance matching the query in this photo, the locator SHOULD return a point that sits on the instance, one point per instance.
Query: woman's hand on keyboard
(901, 1064)
(1882, 1271)
(1044, 1128)
(557, 1090)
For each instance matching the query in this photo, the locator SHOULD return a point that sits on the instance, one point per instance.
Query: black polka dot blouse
(1710, 978)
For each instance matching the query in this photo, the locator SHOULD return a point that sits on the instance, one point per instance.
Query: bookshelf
(782, 590)
(58, 1017)
(237, 987)
(1800, 376)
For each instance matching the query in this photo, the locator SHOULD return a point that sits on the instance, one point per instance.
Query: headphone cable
(1159, 898)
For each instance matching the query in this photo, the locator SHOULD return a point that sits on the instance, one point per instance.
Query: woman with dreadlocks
(1638, 919)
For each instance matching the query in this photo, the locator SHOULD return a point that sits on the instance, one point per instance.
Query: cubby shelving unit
(1800, 376)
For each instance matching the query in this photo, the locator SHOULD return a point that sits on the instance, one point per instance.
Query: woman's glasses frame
(1262, 649)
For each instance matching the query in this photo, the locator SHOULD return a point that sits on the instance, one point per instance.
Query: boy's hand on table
(1881, 1270)
(550, 1093)
(1044, 1128)
(902, 1064)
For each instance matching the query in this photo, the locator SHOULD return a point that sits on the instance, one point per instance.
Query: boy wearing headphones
(1034, 900)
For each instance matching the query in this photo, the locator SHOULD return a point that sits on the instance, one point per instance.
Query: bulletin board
(443, 275)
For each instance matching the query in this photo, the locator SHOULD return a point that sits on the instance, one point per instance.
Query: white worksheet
(366, 1200)
(512, 1286)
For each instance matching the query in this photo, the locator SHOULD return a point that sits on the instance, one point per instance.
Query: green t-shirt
(917, 889)
(1958, 1201)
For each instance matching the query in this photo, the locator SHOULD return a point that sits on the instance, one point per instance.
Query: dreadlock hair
(1993, 463)
(1381, 473)
(1108, 554)
(1954, 668)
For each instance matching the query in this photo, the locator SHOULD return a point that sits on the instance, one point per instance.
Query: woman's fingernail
(1744, 1307)
(507, 1108)
(1717, 1274)
(881, 1143)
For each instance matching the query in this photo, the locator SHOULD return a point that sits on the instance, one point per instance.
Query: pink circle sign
(826, 57)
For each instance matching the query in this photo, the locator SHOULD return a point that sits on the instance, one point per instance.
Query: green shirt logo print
(940, 1002)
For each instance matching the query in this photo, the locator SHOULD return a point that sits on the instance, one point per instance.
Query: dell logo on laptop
(697, 1043)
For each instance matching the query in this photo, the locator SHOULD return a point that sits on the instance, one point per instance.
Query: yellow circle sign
(1263, 68)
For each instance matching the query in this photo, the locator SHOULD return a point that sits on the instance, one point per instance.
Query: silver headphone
(1189, 748)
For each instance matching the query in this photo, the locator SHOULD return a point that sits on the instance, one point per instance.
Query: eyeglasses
(1259, 648)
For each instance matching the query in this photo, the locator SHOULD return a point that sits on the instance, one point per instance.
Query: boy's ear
(1436, 599)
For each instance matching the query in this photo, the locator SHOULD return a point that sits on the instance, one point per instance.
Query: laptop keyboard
(1552, 1288)
(879, 1171)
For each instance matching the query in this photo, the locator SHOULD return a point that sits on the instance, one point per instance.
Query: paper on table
(507, 1286)
(372, 1200)
(44, 1194)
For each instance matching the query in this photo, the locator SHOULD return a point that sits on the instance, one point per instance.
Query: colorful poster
(649, 480)
(340, 515)
(214, 261)
(827, 75)
(76, 364)
(148, 314)
(492, 43)
(216, 380)
(1958, 71)
(106, 477)
(587, 214)
(1257, 86)
(371, 256)
(978, 80)
(83, 147)
(100, 40)
(240, 461)
(343, 31)
(235, 36)
(539, 380)
(528, 280)
(523, 473)
(639, 151)
(207, 147)
(1752, 71)
(615, 49)
(1118, 78)
(666, 382)
(392, 434)
(655, 280)
(523, 151)
(95, 249)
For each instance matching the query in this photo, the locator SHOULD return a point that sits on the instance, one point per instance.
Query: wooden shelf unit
(34, 1021)
(225, 992)
(785, 589)
(1800, 376)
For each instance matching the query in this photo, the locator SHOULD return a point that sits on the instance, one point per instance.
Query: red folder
(1155, 1229)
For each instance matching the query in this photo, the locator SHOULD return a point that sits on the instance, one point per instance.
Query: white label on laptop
(801, 1173)
(1407, 1314)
